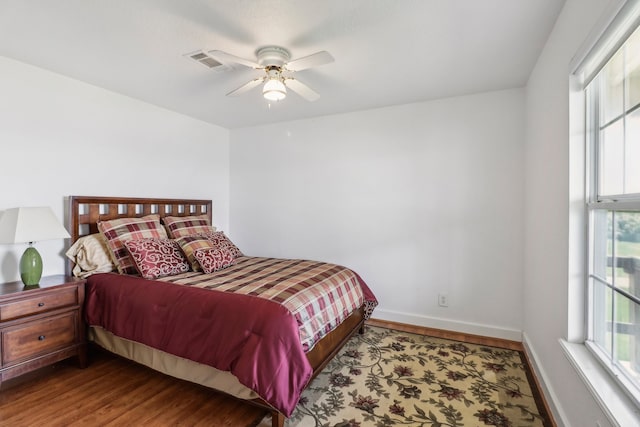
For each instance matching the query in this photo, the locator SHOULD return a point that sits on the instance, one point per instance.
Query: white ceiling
(387, 52)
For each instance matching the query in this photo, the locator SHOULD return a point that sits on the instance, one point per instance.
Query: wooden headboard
(86, 211)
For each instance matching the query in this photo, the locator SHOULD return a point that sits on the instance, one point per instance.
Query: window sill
(613, 401)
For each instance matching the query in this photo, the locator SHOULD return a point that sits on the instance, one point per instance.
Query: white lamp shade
(274, 90)
(22, 225)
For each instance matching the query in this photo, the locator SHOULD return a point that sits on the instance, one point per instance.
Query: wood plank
(440, 333)
(114, 391)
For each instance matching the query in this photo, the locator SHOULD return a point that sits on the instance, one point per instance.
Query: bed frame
(86, 211)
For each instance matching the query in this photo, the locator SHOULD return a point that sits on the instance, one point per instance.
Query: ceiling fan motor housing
(272, 56)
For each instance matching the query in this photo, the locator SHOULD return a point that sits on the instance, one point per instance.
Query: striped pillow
(180, 226)
(190, 244)
(117, 231)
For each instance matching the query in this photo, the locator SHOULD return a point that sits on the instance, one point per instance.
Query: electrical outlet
(443, 299)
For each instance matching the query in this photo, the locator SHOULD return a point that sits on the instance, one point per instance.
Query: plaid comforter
(319, 295)
(247, 319)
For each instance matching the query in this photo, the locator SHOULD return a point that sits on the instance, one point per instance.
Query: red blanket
(259, 345)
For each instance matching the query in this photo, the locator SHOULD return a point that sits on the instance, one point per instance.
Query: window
(613, 165)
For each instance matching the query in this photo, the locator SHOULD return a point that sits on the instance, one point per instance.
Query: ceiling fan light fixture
(274, 90)
(274, 60)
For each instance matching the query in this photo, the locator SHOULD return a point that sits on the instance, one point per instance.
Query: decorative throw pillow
(190, 244)
(90, 255)
(220, 240)
(214, 259)
(180, 226)
(117, 231)
(157, 257)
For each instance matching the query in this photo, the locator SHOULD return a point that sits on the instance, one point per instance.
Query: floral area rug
(390, 378)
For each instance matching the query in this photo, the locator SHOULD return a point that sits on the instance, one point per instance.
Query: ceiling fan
(276, 64)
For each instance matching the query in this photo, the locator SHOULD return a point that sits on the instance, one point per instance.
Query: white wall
(60, 137)
(441, 196)
(547, 276)
(419, 199)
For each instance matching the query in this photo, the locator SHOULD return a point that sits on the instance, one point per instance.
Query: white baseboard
(543, 379)
(449, 325)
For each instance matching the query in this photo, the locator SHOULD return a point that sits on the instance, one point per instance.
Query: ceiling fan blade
(226, 58)
(313, 60)
(301, 89)
(246, 87)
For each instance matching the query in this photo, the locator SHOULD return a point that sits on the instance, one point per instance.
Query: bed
(218, 328)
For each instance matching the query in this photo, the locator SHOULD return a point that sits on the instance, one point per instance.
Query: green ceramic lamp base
(31, 267)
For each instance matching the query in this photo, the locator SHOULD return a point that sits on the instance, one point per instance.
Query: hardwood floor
(456, 336)
(113, 391)
(116, 392)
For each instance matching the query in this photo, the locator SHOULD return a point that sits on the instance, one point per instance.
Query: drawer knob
(40, 304)
(41, 338)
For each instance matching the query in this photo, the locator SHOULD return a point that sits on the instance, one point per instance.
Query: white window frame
(607, 203)
(611, 31)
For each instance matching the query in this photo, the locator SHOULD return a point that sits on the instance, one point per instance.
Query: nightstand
(41, 326)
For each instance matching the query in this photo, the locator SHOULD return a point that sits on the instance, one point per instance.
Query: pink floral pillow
(220, 240)
(214, 259)
(157, 257)
(189, 246)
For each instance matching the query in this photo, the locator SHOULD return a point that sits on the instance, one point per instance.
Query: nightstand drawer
(39, 303)
(38, 337)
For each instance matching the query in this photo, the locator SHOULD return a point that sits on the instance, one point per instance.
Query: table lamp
(28, 225)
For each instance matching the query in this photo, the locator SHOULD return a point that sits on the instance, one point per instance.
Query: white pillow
(90, 255)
